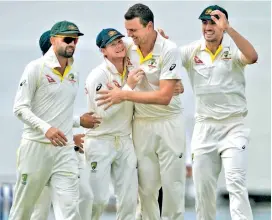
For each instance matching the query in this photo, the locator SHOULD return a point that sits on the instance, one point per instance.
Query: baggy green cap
(205, 15)
(65, 27)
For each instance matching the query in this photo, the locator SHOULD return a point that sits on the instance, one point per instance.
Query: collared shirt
(218, 80)
(45, 98)
(162, 63)
(116, 120)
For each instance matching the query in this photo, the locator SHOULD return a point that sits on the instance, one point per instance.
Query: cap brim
(114, 38)
(72, 32)
(206, 17)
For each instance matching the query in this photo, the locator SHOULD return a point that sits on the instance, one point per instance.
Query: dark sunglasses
(68, 40)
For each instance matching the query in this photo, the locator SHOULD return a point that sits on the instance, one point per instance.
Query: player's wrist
(228, 29)
(124, 96)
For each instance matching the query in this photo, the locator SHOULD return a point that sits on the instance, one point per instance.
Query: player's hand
(56, 137)
(89, 120)
(134, 77)
(161, 32)
(78, 140)
(222, 22)
(179, 89)
(110, 97)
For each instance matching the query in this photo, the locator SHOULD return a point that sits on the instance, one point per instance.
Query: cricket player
(215, 65)
(158, 130)
(42, 207)
(45, 102)
(109, 149)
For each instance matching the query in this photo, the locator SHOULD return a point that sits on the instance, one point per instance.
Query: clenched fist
(178, 88)
(78, 140)
(88, 120)
(134, 77)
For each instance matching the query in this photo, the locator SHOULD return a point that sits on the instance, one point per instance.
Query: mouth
(120, 51)
(209, 33)
(70, 49)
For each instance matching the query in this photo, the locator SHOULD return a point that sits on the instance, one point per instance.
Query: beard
(65, 53)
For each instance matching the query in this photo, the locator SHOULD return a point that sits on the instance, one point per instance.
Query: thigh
(34, 163)
(206, 167)
(99, 155)
(85, 190)
(124, 168)
(171, 151)
(235, 160)
(145, 142)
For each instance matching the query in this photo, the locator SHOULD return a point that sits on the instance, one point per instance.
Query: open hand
(110, 97)
(56, 137)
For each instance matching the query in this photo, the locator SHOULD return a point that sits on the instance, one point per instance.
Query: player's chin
(121, 54)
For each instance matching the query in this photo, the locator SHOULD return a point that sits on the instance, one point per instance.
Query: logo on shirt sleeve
(173, 66)
(98, 87)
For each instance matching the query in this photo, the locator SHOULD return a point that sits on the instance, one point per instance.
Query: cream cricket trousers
(112, 158)
(160, 150)
(42, 207)
(217, 143)
(39, 164)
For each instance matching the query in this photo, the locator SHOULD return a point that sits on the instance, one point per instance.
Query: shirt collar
(109, 65)
(51, 60)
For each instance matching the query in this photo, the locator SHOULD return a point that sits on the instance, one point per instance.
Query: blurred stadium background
(23, 22)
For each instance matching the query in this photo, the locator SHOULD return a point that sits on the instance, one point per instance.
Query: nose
(129, 33)
(208, 26)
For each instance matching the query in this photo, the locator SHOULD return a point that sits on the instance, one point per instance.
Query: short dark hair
(140, 11)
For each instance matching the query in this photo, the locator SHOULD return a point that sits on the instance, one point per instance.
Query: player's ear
(52, 40)
(104, 51)
(150, 25)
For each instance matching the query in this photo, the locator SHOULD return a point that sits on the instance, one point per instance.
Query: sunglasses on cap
(67, 39)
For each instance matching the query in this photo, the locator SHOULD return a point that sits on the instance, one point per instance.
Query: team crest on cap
(112, 33)
(71, 27)
(208, 11)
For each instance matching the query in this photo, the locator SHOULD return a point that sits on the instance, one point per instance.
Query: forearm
(106, 114)
(154, 97)
(244, 45)
(29, 118)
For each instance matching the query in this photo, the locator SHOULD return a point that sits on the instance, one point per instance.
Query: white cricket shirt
(117, 119)
(218, 80)
(161, 64)
(45, 98)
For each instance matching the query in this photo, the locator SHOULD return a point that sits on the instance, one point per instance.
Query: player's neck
(148, 46)
(63, 61)
(118, 63)
(213, 46)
